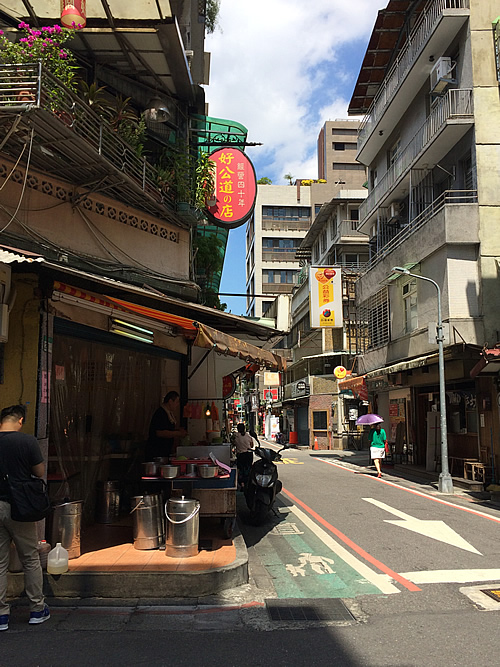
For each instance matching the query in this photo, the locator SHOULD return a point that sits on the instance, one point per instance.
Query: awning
(357, 385)
(489, 364)
(203, 335)
(404, 366)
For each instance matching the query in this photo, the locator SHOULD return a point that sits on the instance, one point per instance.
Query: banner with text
(325, 294)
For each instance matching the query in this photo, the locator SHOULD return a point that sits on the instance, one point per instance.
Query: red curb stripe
(364, 554)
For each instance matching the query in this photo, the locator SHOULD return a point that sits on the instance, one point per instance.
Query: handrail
(404, 62)
(28, 87)
(456, 102)
(447, 197)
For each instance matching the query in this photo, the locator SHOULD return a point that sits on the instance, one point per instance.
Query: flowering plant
(43, 45)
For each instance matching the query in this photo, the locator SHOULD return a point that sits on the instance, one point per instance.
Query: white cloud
(276, 67)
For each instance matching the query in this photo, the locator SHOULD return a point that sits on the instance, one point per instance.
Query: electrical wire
(13, 168)
(24, 183)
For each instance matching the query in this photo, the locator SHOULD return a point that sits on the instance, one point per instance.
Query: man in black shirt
(163, 428)
(20, 457)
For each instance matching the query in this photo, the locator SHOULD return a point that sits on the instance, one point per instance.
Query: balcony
(438, 24)
(73, 143)
(454, 216)
(347, 232)
(279, 255)
(285, 225)
(448, 121)
(278, 288)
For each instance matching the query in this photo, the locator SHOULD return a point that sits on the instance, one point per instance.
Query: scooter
(263, 484)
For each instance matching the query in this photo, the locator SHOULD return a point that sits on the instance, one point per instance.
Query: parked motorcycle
(263, 484)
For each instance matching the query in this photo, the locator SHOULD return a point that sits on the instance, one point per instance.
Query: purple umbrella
(369, 419)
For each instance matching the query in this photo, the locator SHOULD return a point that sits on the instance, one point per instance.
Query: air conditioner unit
(441, 75)
(394, 210)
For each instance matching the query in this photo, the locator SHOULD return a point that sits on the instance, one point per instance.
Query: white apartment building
(429, 139)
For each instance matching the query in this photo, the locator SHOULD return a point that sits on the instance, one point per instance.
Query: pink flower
(1, 32)
(23, 26)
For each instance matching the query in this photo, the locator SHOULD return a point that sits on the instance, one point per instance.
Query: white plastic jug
(57, 560)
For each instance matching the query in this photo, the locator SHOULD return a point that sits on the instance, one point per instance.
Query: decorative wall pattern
(47, 187)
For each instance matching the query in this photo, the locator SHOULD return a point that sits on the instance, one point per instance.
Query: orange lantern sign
(73, 13)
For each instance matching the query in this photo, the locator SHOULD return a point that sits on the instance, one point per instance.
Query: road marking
(294, 461)
(451, 576)
(366, 572)
(436, 530)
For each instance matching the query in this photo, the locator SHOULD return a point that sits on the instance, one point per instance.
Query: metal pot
(169, 472)
(206, 470)
(191, 469)
(149, 469)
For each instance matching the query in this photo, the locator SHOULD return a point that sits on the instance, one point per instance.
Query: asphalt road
(390, 571)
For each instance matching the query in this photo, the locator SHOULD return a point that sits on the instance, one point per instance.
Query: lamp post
(445, 484)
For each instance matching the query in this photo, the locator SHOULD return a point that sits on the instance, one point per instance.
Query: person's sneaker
(4, 622)
(39, 616)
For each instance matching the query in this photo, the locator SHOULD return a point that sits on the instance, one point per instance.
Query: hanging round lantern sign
(339, 372)
(73, 13)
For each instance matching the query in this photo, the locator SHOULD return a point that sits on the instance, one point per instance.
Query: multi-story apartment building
(428, 87)
(337, 144)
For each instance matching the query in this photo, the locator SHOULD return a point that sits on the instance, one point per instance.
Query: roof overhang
(489, 364)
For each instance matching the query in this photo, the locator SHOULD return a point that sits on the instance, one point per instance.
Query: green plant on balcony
(191, 178)
(45, 46)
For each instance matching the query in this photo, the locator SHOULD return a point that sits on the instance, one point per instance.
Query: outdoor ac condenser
(441, 75)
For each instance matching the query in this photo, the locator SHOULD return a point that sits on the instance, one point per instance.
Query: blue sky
(282, 68)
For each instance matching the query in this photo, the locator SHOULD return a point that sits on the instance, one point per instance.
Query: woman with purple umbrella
(377, 439)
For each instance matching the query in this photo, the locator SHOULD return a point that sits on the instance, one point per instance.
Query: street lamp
(445, 484)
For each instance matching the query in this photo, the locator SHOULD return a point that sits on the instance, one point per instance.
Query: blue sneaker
(4, 622)
(39, 616)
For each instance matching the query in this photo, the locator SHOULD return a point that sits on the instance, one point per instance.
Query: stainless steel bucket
(149, 529)
(183, 519)
(66, 526)
(108, 502)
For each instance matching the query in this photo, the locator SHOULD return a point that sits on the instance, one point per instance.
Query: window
(373, 320)
(320, 420)
(393, 153)
(354, 214)
(348, 166)
(338, 146)
(410, 305)
(266, 305)
(348, 132)
(273, 276)
(351, 259)
(322, 241)
(286, 212)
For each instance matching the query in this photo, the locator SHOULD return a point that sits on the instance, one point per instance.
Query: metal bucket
(149, 529)
(108, 502)
(66, 526)
(183, 519)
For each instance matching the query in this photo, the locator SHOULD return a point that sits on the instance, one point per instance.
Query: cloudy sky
(282, 68)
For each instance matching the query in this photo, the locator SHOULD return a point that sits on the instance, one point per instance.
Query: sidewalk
(117, 570)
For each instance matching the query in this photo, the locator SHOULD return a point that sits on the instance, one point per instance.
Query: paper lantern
(73, 12)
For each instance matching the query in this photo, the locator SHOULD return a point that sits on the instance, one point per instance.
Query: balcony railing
(348, 228)
(457, 103)
(447, 197)
(404, 62)
(279, 255)
(278, 288)
(273, 225)
(29, 87)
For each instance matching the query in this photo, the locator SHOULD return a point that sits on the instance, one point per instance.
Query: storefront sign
(235, 188)
(271, 379)
(300, 388)
(339, 372)
(270, 394)
(228, 386)
(325, 290)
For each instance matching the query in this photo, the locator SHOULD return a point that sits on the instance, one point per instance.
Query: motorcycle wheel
(259, 514)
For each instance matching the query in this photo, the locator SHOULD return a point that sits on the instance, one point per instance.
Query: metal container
(191, 469)
(66, 526)
(149, 469)
(149, 528)
(183, 522)
(108, 504)
(169, 472)
(206, 470)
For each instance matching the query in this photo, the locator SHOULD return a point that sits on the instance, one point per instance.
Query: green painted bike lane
(302, 566)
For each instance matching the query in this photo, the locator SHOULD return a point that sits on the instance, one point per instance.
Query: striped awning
(355, 384)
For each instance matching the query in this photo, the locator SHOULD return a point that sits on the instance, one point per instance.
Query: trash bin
(66, 526)
(183, 519)
(149, 529)
(108, 504)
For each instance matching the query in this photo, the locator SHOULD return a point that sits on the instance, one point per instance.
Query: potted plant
(45, 46)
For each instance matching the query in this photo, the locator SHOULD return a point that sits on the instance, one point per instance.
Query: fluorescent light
(130, 330)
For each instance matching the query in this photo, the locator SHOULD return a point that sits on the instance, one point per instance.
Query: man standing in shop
(163, 428)
(20, 457)
(244, 454)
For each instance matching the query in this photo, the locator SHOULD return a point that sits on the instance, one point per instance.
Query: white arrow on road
(436, 530)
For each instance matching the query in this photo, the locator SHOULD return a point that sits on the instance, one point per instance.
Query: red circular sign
(228, 386)
(235, 188)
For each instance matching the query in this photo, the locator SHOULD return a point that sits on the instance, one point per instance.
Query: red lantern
(73, 12)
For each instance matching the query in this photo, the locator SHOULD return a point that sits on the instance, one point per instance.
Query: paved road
(399, 567)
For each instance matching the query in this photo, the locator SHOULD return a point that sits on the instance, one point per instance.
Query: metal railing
(456, 103)
(271, 224)
(446, 198)
(348, 228)
(404, 62)
(279, 255)
(24, 87)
